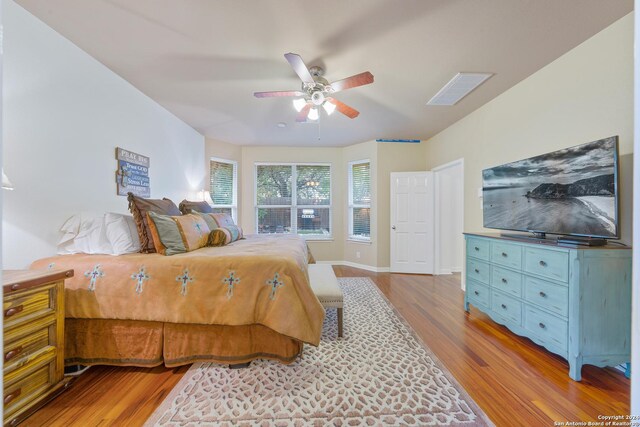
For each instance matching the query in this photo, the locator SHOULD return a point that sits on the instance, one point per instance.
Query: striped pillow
(177, 234)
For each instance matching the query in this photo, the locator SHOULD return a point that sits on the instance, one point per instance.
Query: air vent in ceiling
(458, 87)
(406, 141)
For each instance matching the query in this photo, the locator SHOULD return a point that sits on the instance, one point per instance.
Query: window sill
(361, 241)
(318, 239)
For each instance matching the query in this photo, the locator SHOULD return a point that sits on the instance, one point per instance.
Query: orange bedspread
(259, 280)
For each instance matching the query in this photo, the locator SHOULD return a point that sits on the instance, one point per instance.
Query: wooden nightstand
(33, 312)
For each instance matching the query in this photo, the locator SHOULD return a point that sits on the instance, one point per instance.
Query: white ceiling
(203, 59)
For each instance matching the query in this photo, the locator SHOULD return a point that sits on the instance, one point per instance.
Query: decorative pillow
(121, 233)
(211, 222)
(187, 207)
(223, 219)
(139, 207)
(224, 235)
(84, 233)
(177, 234)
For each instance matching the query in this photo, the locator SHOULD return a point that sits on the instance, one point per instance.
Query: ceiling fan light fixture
(299, 104)
(313, 114)
(329, 107)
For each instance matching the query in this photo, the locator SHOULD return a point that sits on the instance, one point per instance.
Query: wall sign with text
(132, 174)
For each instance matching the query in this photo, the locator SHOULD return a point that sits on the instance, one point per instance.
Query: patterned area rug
(380, 373)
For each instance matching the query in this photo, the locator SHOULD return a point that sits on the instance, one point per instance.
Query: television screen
(571, 191)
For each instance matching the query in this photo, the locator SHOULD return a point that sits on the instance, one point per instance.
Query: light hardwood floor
(516, 382)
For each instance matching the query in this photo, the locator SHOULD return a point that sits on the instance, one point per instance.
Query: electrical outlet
(358, 254)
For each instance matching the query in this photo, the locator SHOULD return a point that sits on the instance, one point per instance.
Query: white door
(412, 222)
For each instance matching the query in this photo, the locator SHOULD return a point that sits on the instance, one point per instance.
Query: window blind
(360, 200)
(222, 182)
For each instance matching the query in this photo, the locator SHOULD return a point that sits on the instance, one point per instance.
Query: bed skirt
(147, 344)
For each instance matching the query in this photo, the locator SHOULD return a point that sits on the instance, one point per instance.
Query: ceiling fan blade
(352, 113)
(278, 93)
(299, 67)
(302, 115)
(353, 81)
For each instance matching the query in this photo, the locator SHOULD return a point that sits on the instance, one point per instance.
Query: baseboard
(444, 271)
(356, 265)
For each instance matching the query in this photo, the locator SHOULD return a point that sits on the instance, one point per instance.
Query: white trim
(356, 265)
(437, 269)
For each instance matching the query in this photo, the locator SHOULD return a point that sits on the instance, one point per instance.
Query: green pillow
(166, 230)
(208, 219)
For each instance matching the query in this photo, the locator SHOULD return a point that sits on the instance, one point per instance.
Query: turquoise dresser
(575, 302)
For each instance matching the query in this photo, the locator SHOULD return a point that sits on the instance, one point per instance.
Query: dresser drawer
(478, 248)
(24, 365)
(507, 307)
(19, 307)
(478, 294)
(478, 270)
(547, 263)
(26, 345)
(506, 254)
(506, 280)
(547, 327)
(19, 394)
(547, 295)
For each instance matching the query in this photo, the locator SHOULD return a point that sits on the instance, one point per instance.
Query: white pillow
(122, 233)
(84, 233)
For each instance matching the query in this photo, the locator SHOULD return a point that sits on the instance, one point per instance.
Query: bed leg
(240, 365)
(340, 323)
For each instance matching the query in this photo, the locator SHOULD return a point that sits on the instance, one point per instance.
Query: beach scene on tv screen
(570, 191)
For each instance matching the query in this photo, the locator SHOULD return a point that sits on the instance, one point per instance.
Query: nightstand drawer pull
(13, 310)
(543, 295)
(542, 325)
(503, 306)
(13, 353)
(504, 280)
(11, 397)
(542, 263)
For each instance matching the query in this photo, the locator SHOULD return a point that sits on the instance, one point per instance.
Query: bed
(247, 300)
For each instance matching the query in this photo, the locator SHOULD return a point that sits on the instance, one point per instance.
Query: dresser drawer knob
(504, 280)
(542, 325)
(503, 306)
(477, 271)
(477, 249)
(13, 310)
(542, 263)
(13, 353)
(504, 254)
(476, 292)
(543, 295)
(12, 396)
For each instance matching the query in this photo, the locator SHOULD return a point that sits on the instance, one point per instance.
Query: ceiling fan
(316, 91)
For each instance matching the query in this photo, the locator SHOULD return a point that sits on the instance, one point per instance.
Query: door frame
(437, 200)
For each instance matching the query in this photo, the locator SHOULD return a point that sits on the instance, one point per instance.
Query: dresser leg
(575, 369)
(466, 305)
(627, 371)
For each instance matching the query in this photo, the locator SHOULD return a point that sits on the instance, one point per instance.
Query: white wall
(584, 95)
(64, 115)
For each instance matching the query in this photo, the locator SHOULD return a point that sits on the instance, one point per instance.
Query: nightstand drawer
(19, 394)
(31, 343)
(506, 254)
(507, 307)
(506, 280)
(547, 263)
(547, 327)
(478, 294)
(18, 307)
(547, 295)
(478, 270)
(24, 365)
(478, 248)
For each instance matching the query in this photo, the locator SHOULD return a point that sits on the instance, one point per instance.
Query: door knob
(393, 227)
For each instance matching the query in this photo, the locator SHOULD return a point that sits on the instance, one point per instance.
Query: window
(360, 200)
(294, 199)
(224, 187)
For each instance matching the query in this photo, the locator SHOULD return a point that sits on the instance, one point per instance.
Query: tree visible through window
(294, 199)
(360, 200)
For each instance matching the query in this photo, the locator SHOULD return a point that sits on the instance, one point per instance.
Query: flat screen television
(573, 191)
